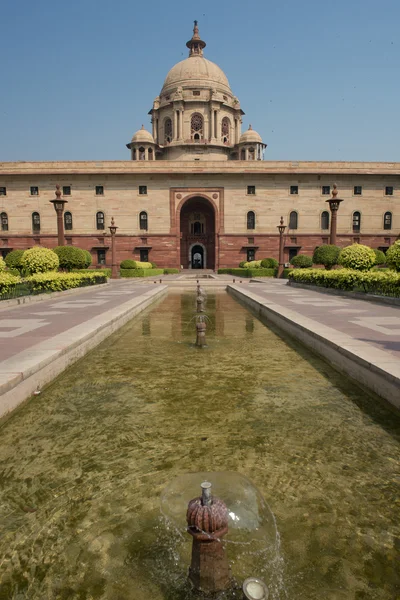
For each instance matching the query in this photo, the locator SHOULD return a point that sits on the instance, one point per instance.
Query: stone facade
(200, 198)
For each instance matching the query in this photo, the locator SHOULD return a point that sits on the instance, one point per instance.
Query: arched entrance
(197, 229)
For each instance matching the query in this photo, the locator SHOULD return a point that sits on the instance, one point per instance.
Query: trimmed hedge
(327, 255)
(358, 257)
(2, 265)
(372, 282)
(269, 263)
(39, 260)
(105, 272)
(88, 259)
(8, 282)
(257, 272)
(70, 257)
(141, 272)
(302, 261)
(57, 282)
(380, 258)
(128, 263)
(392, 256)
(171, 271)
(13, 259)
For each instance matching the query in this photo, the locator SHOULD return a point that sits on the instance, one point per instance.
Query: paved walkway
(370, 322)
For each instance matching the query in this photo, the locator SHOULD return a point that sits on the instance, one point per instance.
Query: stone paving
(375, 324)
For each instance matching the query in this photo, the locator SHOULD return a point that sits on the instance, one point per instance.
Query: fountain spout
(201, 332)
(207, 519)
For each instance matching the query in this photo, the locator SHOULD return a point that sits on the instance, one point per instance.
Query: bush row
(50, 281)
(141, 272)
(258, 272)
(372, 282)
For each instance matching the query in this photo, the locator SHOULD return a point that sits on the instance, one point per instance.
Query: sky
(318, 79)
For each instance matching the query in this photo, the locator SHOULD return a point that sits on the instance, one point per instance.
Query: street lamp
(281, 228)
(59, 204)
(334, 204)
(113, 230)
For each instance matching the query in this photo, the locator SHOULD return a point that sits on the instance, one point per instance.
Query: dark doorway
(292, 253)
(197, 257)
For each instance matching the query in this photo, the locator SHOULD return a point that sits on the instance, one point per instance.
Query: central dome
(196, 71)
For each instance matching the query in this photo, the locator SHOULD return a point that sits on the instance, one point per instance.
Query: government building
(196, 191)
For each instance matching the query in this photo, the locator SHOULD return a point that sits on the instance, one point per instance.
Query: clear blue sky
(318, 79)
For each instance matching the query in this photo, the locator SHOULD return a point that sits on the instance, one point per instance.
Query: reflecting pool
(84, 464)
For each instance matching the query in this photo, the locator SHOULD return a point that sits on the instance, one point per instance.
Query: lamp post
(59, 204)
(334, 204)
(281, 228)
(113, 230)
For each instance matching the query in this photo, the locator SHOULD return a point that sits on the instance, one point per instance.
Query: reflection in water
(84, 463)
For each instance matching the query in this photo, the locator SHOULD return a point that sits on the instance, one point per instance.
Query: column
(175, 127)
(247, 154)
(181, 123)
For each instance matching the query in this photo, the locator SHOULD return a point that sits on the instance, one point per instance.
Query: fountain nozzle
(206, 498)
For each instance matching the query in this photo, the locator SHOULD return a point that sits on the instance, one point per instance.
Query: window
(196, 127)
(197, 228)
(225, 130)
(251, 220)
(252, 155)
(250, 240)
(144, 255)
(196, 93)
(325, 220)
(243, 154)
(35, 222)
(357, 190)
(251, 189)
(99, 190)
(67, 221)
(100, 220)
(4, 221)
(142, 153)
(388, 190)
(34, 190)
(294, 189)
(387, 220)
(143, 220)
(292, 253)
(143, 190)
(251, 254)
(356, 222)
(66, 190)
(326, 190)
(293, 220)
(101, 256)
(3, 191)
(167, 131)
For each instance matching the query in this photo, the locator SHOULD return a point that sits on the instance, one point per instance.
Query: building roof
(143, 136)
(250, 136)
(193, 72)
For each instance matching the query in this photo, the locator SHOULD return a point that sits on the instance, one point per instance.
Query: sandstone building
(197, 191)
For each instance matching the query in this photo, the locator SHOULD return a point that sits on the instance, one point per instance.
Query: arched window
(4, 221)
(35, 222)
(387, 220)
(197, 228)
(142, 153)
(325, 220)
(196, 127)
(167, 131)
(243, 154)
(356, 222)
(67, 221)
(143, 220)
(251, 220)
(225, 130)
(252, 155)
(100, 220)
(150, 153)
(293, 220)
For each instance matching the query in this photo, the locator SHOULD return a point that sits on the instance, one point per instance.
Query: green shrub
(70, 257)
(385, 283)
(326, 255)
(269, 263)
(106, 272)
(141, 272)
(153, 265)
(2, 265)
(392, 256)
(128, 264)
(357, 256)
(57, 282)
(171, 271)
(302, 261)
(380, 258)
(241, 264)
(253, 264)
(8, 282)
(39, 260)
(142, 265)
(260, 272)
(88, 259)
(13, 259)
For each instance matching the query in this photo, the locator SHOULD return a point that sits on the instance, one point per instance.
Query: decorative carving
(215, 196)
(179, 93)
(179, 196)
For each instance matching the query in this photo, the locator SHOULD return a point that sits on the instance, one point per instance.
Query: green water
(83, 464)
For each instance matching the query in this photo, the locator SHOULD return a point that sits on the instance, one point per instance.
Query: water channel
(84, 464)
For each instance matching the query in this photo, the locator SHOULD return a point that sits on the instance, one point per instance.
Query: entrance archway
(197, 234)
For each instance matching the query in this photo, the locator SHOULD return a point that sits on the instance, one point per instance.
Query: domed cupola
(196, 116)
(142, 146)
(251, 146)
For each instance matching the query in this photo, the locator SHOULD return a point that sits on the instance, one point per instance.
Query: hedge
(327, 255)
(171, 271)
(257, 272)
(71, 257)
(392, 256)
(39, 260)
(105, 272)
(372, 282)
(357, 256)
(2, 265)
(302, 261)
(8, 282)
(128, 263)
(57, 282)
(141, 272)
(13, 259)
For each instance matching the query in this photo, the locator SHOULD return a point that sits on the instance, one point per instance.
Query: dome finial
(196, 44)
